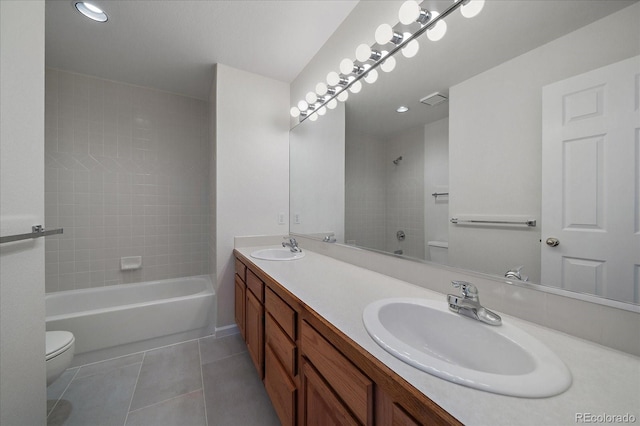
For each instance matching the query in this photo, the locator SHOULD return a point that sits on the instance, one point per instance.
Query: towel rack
(529, 222)
(37, 231)
(438, 194)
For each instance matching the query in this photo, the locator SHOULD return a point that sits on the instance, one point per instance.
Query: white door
(590, 182)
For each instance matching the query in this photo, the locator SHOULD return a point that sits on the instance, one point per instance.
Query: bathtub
(126, 318)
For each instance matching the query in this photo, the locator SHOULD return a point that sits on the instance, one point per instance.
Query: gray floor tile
(234, 394)
(110, 364)
(166, 373)
(100, 399)
(213, 349)
(185, 410)
(57, 388)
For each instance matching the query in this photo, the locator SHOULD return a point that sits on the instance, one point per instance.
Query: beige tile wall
(126, 174)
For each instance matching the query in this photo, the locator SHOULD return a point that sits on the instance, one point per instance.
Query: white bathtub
(120, 319)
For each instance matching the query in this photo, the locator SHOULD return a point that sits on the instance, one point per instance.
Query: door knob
(553, 242)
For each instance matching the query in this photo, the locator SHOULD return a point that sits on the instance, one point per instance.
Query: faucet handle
(468, 290)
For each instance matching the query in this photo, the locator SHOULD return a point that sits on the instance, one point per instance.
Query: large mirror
(525, 164)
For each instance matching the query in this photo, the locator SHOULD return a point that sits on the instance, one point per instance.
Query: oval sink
(500, 359)
(277, 254)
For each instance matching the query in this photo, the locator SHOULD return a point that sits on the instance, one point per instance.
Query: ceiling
(172, 44)
(504, 30)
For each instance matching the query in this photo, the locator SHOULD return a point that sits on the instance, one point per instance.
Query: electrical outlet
(280, 218)
(296, 218)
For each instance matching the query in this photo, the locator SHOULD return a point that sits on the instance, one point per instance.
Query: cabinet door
(254, 330)
(280, 388)
(239, 302)
(321, 406)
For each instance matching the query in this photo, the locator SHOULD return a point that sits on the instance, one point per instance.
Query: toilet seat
(57, 342)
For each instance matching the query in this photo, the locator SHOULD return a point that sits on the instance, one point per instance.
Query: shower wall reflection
(389, 182)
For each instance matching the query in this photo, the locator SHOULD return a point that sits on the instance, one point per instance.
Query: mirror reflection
(526, 114)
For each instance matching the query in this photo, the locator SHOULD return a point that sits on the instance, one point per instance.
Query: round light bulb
(342, 97)
(371, 76)
(322, 111)
(333, 103)
(321, 89)
(356, 87)
(472, 8)
(346, 66)
(295, 112)
(384, 34)
(411, 49)
(409, 12)
(437, 32)
(363, 53)
(311, 97)
(313, 117)
(91, 11)
(303, 106)
(333, 78)
(389, 64)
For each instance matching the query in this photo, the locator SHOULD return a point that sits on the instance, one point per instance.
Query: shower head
(397, 160)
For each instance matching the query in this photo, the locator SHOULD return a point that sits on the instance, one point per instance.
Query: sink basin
(500, 359)
(283, 253)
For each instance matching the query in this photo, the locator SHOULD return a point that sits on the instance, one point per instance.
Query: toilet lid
(57, 342)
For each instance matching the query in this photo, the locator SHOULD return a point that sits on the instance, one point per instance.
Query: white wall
(126, 174)
(496, 131)
(252, 168)
(22, 347)
(318, 175)
(405, 192)
(365, 190)
(436, 177)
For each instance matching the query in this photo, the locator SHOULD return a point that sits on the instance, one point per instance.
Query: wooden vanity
(313, 373)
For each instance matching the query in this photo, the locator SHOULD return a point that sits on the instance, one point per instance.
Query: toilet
(60, 346)
(438, 252)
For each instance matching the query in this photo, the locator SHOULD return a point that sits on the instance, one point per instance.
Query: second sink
(503, 359)
(277, 254)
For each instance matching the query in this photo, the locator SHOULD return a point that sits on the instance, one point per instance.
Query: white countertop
(605, 381)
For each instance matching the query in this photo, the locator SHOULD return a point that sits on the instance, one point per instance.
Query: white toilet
(439, 252)
(59, 353)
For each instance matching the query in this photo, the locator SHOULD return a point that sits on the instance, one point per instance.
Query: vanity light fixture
(369, 58)
(91, 11)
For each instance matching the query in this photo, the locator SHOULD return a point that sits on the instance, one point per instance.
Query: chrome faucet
(516, 274)
(469, 304)
(293, 245)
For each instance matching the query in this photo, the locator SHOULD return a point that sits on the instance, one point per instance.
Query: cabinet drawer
(254, 331)
(280, 388)
(284, 315)
(281, 345)
(255, 285)
(321, 406)
(241, 270)
(355, 389)
(239, 303)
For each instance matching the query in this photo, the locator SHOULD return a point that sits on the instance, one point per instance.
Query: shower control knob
(553, 242)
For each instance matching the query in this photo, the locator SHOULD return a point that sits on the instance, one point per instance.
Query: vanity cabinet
(249, 313)
(240, 295)
(281, 368)
(316, 375)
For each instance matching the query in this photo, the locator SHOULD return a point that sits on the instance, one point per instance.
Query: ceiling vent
(434, 99)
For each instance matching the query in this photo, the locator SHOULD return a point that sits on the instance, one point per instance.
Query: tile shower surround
(126, 174)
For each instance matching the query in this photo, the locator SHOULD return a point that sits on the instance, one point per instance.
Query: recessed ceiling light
(402, 109)
(91, 11)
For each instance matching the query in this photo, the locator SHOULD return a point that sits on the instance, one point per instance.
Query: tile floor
(205, 382)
